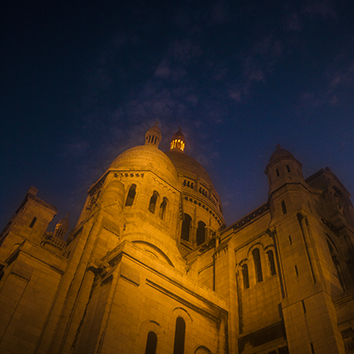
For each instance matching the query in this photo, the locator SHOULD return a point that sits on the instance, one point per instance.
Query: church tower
(301, 244)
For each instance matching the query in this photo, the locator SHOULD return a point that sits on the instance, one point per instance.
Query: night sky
(82, 81)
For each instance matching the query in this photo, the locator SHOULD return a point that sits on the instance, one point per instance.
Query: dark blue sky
(82, 81)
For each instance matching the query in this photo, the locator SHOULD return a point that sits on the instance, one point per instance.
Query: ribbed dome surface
(280, 153)
(187, 166)
(146, 158)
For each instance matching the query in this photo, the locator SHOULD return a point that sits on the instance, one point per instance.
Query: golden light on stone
(151, 267)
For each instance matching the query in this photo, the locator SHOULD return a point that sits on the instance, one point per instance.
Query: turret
(288, 191)
(62, 227)
(283, 168)
(153, 136)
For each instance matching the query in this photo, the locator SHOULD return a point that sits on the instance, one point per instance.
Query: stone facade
(151, 267)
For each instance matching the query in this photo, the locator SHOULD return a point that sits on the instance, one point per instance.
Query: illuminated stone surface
(151, 264)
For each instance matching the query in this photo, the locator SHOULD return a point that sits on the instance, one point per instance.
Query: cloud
(341, 74)
(220, 12)
(76, 148)
(257, 63)
(163, 70)
(293, 22)
(323, 9)
(184, 50)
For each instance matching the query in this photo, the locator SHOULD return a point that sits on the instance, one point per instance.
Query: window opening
(33, 222)
(257, 264)
(179, 336)
(151, 343)
(246, 283)
(338, 271)
(288, 168)
(277, 172)
(336, 264)
(270, 255)
(153, 201)
(163, 206)
(283, 207)
(131, 195)
(312, 348)
(186, 225)
(200, 233)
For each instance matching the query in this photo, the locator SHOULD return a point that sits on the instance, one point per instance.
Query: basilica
(151, 267)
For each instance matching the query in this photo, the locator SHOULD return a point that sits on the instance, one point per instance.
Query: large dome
(146, 158)
(187, 166)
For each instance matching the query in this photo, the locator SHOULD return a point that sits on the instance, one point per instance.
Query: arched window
(131, 195)
(200, 233)
(339, 271)
(336, 264)
(246, 282)
(202, 350)
(179, 336)
(151, 343)
(33, 222)
(153, 201)
(163, 207)
(186, 225)
(257, 264)
(271, 262)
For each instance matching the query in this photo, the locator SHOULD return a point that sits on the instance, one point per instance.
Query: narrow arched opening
(200, 233)
(186, 226)
(131, 195)
(272, 269)
(163, 207)
(257, 264)
(153, 201)
(151, 343)
(245, 277)
(179, 336)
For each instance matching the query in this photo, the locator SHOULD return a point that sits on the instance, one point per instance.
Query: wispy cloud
(324, 9)
(293, 22)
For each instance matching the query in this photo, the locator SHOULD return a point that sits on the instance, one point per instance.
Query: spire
(178, 142)
(153, 136)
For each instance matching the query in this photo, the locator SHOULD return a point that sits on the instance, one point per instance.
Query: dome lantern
(153, 136)
(178, 142)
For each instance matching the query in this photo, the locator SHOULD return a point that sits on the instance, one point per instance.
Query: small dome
(146, 158)
(280, 153)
